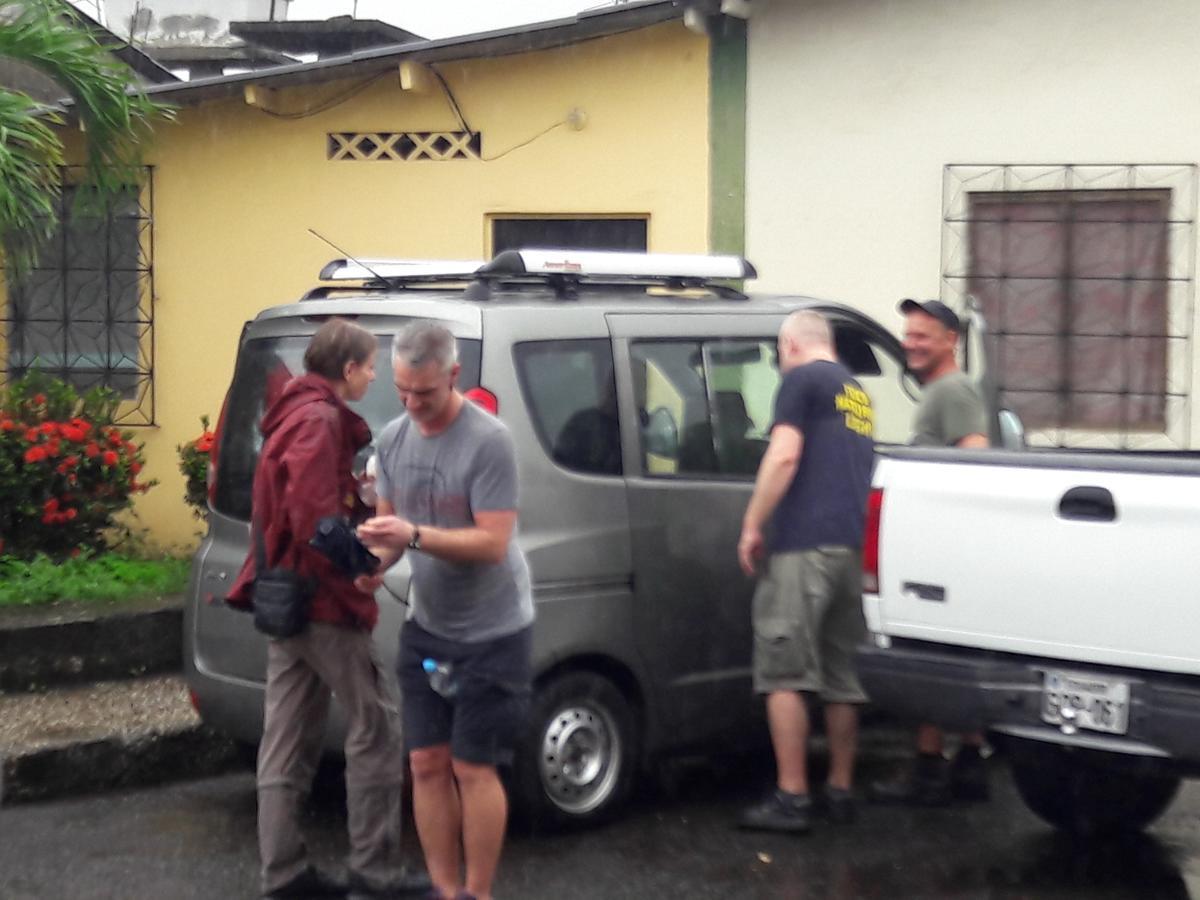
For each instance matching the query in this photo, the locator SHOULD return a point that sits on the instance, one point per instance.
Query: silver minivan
(639, 391)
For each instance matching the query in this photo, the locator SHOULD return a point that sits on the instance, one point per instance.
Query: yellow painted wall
(235, 191)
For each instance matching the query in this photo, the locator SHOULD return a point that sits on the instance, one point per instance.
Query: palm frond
(117, 120)
(30, 156)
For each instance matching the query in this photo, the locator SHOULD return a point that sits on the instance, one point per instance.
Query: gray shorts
(808, 622)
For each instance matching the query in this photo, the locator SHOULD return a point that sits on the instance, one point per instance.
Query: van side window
(571, 394)
(705, 406)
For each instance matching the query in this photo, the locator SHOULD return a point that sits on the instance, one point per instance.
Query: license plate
(1094, 702)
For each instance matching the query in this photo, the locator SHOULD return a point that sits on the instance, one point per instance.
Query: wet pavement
(196, 840)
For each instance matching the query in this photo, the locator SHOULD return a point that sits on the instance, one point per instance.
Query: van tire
(577, 762)
(1079, 793)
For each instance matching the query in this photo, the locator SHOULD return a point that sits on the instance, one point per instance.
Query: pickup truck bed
(1049, 598)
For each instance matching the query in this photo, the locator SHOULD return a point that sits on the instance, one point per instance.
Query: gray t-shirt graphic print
(442, 481)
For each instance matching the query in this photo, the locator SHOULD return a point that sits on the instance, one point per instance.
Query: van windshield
(264, 366)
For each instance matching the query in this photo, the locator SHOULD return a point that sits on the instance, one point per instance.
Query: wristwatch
(415, 541)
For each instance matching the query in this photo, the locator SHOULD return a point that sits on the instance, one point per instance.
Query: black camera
(335, 539)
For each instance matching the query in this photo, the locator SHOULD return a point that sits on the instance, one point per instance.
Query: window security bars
(1084, 277)
(85, 312)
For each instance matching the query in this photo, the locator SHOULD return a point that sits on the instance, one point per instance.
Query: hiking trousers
(302, 672)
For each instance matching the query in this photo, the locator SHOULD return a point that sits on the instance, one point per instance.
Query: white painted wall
(856, 106)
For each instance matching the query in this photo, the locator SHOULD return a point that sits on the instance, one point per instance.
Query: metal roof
(327, 37)
(539, 36)
(182, 54)
(138, 60)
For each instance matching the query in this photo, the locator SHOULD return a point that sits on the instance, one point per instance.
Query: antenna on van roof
(358, 262)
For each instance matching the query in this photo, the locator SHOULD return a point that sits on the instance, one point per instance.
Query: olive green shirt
(951, 408)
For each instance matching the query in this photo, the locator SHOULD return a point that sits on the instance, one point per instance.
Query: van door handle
(1088, 504)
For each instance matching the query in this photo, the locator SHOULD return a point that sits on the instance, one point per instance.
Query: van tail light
(216, 447)
(485, 398)
(195, 698)
(870, 554)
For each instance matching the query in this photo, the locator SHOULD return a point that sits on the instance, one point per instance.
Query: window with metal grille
(1083, 290)
(84, 313)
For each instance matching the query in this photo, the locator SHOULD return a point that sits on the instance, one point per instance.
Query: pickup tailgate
(1061, 555)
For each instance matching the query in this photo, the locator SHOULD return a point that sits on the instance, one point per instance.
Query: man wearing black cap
(951, 414)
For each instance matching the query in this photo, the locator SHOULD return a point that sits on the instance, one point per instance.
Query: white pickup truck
(1051, 599)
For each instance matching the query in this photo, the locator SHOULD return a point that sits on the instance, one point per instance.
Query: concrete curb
(112, 763)
(65, 649)
(90, 647)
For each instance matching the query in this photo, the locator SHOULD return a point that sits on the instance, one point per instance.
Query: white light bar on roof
(619, 264)
(398, 269)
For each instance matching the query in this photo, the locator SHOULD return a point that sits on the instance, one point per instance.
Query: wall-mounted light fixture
(414, 76)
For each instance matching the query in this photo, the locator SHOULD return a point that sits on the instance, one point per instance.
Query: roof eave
(138, 60)
(504, 42)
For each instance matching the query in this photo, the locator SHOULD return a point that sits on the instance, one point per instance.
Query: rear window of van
(264, 366)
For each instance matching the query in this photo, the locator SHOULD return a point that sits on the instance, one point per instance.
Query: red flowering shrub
(194, 457)
(66, 471)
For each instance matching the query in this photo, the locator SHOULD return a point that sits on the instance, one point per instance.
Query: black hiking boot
(969, 776)
(312, 882)
(837, 805)
(925, 783)
(780, 811)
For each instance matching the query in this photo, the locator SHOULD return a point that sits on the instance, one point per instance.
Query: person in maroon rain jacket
(304, 474)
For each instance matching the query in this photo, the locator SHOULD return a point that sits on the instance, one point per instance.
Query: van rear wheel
(578, 760)
(1081, 793)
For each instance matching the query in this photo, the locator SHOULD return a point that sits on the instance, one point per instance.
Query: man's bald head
(804, 337)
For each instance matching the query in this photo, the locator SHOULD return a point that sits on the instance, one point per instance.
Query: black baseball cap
(935, 308)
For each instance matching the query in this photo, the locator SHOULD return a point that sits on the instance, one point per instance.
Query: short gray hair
(808, 327)
(422, 342)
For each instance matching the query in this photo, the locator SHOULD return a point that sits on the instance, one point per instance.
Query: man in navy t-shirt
(802, 535)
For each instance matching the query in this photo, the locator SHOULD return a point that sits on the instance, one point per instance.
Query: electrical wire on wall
(527, 141)
(450, 97)
(574, 118)
(330, 103)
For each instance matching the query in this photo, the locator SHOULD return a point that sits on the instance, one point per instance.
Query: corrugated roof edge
(521, 39)
(138, 60)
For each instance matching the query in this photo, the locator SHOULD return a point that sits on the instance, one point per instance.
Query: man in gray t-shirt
(447, 487)
(951, 414)
(440, 481)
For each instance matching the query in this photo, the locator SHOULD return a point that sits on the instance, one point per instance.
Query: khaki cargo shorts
(808, 622)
